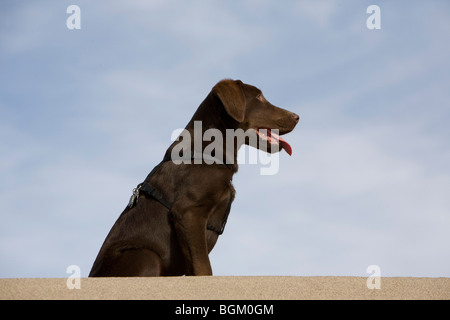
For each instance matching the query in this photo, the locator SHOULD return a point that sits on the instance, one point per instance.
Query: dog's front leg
(190, 227)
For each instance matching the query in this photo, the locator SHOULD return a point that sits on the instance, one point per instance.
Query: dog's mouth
(274, 139)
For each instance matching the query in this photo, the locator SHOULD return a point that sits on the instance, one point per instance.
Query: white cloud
(319, 13)
(25, 27)
(349, 164)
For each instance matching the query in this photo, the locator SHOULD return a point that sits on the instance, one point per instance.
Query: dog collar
(154, 193)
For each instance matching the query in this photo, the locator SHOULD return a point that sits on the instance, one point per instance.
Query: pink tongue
(283, 144)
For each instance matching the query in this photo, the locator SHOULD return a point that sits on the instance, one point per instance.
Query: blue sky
(86, 114)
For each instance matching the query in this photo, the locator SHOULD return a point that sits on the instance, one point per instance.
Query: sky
(85, 115)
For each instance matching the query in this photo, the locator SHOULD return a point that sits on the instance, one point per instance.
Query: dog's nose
(296, 117)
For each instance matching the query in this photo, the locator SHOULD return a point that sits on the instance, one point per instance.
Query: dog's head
(253, 113)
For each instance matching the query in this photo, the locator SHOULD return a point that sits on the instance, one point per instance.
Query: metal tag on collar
(134, 197)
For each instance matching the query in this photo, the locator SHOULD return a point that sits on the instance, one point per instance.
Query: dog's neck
(212, 115)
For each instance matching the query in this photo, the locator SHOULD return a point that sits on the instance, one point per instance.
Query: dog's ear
(231, 94)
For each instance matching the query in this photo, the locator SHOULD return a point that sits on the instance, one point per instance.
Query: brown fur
(147, 240)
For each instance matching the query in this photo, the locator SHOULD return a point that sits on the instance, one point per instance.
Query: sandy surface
(239, 288)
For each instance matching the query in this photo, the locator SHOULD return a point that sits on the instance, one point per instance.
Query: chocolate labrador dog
(176, 215)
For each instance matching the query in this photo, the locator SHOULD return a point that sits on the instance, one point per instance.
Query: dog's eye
(259, 96)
